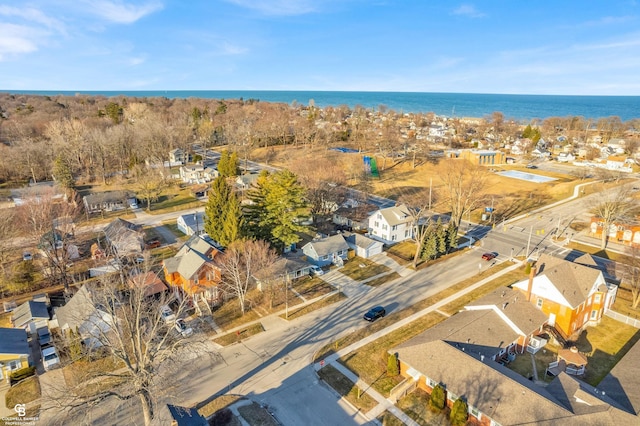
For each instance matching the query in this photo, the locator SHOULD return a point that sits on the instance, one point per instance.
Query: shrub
(393, 369)
(527, 269)
(437, 400)
(222, 417)
(459, 412)
(22, 374)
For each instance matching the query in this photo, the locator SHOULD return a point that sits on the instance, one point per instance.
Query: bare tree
(240, 261)
(631, 270)
(419, 204)
(464, 187)
(150, 183)
(611, 206)
(127, 326)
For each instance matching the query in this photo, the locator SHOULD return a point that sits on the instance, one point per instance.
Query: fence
(623, 318)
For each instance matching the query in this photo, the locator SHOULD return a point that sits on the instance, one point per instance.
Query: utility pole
(529, 242)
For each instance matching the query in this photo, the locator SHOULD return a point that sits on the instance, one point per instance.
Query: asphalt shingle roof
(14, 341)
(29, 311)
(329, 245)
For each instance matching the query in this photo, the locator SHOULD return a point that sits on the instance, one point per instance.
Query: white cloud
(136, 61)
(32, 15)
(120, 12)
(278, 7)
(468, 10)
(17, 39)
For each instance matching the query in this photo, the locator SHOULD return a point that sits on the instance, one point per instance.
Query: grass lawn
(347, 388)
(24, 392)
(604, 345)
(415, 405)
(172, 226)
(360, 269)
(231, 338)
(388, 419)
(522, 364)
(228, 315)
(5, 320)
(84, 375)
(255, 415)
(383, 279)
(311, 287)
(623, 303)
(217, 404)
(329, 300)
(174, 199)
(403, 250)
(370, 361)
(596, 251)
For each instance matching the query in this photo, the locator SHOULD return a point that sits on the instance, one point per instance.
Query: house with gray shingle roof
(325, 251)
(391, 225)
(14, 351)
(572, 295)
(124, 237)
(364, 247)
(30, 316)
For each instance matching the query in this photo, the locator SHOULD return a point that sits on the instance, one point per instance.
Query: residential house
(149, 282)
(197, 174)
(363, 246)
(14, 351)
(391, 225)
(573, 295)
(84, 314)
(38, 192)
(30, 316)
(192, 273)
(246, 181)
(124, 237)
(178, 156)
(566, 157)
(108, 201)
(622, 384)
(325, 251)
(621, 232)
(496, 395)
(191, 223)
(353, 214)
(287, 266)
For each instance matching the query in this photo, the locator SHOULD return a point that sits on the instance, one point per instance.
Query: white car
(316, 270)
(183, 328)
(50, 358)
(167, 314)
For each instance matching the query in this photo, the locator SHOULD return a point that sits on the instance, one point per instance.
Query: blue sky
(543, 47)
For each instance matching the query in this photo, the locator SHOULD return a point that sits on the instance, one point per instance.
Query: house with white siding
(391, 225)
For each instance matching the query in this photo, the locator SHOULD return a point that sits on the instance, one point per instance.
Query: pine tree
(459, 412)
(215, 210)
(62, 173)
(233, 222)
(430, 246)
(441, 238)
(452, 236)
(223, 163)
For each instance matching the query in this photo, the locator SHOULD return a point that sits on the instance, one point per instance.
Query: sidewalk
(384, 403)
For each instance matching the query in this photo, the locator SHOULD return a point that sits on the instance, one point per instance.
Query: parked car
(375, 313)
(182, 328)
(531, 166)
(489, 255)
(27, 256)
(50, 358)
(316, 270)
(44, 336)
(167, 314)
(153, 243)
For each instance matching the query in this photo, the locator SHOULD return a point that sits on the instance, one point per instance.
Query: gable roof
(285, 264)
(14, 341)
(191, 257)
(514, 306)
(360, 240)
(107, 197)
(623, 381)
(328, 245)
(562, 281)
(149, 281)
(396, 215)
(28, 312)
(77, 310)
(125, 236)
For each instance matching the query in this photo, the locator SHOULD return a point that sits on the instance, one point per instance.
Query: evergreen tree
(215, 210)
(277, 210)
(526, 133)
(223, 163)
(441, 238)
(62, 173)
(437, 399)
(430, 246)
(393, 369)
(459, 412)
(228, 165)
(233, 222)
(452, 236)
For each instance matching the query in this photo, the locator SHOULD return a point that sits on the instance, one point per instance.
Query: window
(431, 383)
(451, 396)
(384, 227)
(393, 237)
(406, 233)
(494, 423)
(340, 252)
(394, 227)
(379, 216)
(13, 365)
(325, 257)
(376, 224)
(596, 298)
(594, 314)
(475, 412)
(539, 303)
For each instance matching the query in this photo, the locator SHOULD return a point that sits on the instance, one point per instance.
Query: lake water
(517, 107)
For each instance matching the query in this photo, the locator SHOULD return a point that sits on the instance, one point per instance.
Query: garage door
(377, 249)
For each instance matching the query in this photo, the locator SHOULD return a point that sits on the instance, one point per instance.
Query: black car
(375, 313)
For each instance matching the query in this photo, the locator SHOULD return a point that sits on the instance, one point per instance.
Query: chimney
(530, 284)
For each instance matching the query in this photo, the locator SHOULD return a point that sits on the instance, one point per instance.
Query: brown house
(192, 273)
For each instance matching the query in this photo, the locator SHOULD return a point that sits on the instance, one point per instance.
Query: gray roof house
(108, 201)
(124, 237)
(364, 247)
(82, 313)
(30, 315)
(192, 223)
(327, 250)
(14, 351)
(286, 265)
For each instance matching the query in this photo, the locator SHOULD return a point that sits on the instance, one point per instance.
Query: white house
(191, 223)
(197, 173)
(566, 157)
(391, 225)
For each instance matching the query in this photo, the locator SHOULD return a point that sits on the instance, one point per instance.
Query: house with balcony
(391, 225)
